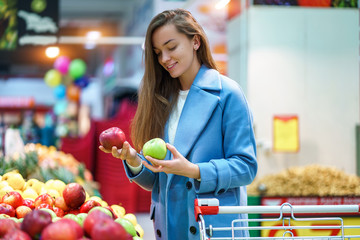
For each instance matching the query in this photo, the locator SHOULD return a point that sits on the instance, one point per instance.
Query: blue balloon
(60, 107)
(49, 120)
(82, 82)
(60, 91)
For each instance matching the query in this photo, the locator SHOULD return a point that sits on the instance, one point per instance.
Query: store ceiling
(75, 19)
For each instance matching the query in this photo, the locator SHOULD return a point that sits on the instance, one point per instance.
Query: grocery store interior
(71, 69)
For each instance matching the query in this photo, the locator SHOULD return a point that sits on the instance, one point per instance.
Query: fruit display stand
(108, 171)
(31, 209)
(46, 163)
(306, 185)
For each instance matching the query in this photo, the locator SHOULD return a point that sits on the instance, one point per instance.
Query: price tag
(286, 134)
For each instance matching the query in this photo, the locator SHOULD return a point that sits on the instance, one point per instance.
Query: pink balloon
(62, 64)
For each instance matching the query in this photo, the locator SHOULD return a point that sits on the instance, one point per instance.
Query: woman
(204, 118)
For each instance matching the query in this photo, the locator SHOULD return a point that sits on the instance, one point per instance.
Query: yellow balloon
(52, 78)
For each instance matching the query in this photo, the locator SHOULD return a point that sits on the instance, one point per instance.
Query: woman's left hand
(179, 165)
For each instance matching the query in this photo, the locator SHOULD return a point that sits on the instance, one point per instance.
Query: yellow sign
(308, 228)
(286, 134)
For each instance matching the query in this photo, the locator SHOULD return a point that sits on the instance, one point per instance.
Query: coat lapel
(198, 108)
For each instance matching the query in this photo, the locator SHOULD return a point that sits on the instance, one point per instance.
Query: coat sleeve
(145, 178)
(239, 165)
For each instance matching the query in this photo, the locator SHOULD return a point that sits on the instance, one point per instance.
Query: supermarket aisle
(144, 220)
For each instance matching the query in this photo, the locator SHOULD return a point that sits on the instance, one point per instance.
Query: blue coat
(215, 132)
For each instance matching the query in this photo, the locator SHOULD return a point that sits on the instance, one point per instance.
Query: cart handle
(210, 206)
(206, 206)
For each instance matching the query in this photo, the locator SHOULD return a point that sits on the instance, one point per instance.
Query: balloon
(67, 80)
(73, 93)
(60, 107)
(77, 68)
(52, 78)
(60, 91)
(48, 120)
(61, 130)
(62, 64)
(82, 82)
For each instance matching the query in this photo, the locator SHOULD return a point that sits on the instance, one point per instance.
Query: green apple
(137, 238)
(104, 210)
(81, 217)
(52, 213)
(3, 216)
(155, 148)
(15, 219)
(127, 225)
(73, 217)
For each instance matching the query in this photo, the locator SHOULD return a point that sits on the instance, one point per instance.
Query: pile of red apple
(66, 217)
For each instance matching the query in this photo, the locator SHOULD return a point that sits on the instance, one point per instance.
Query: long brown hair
(158, 91)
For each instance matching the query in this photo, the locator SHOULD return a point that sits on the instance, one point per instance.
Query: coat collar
(207, 79)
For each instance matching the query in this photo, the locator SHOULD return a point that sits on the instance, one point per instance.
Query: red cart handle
(206, 206)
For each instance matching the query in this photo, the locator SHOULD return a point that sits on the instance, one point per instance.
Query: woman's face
(176, 53)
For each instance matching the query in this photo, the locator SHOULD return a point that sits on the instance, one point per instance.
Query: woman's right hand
(125, 153)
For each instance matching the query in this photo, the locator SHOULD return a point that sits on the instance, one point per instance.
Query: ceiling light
(52, 52)
(93, 35)
(221, 4)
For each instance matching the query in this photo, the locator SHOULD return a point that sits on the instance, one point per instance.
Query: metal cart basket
(289, 220)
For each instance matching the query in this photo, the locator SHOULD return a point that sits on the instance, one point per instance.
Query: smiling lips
(169, 67)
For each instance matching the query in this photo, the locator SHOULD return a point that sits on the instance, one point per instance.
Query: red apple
(16, 234)
(7, 209)
(77, 226)
(34, 222)
(21, 211)
(112, 137)
(107, 229)
(44, 205)
(74, 195)
(7, 225)
(92, 219)
(29, 203)
(58, 211)
(44, 198)
(13, 198)
(62, 229)
(60, 203)
(86, 206)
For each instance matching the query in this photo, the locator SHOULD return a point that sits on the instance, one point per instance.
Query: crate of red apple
(73, 214)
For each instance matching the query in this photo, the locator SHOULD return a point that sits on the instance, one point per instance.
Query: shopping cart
(289, 221)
